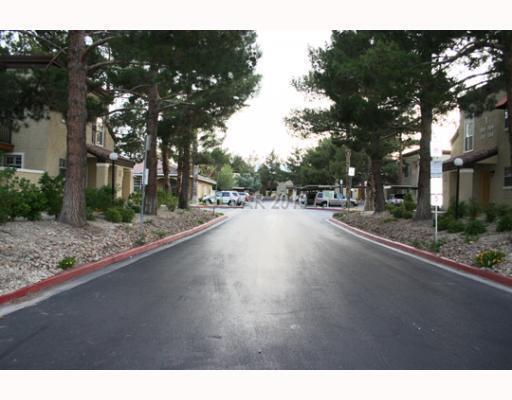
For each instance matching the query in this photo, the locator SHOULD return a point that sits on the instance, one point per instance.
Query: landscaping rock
(420, 234)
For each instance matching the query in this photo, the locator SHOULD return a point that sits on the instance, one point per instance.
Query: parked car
(333, 199)
(395, 199)
(209, 198)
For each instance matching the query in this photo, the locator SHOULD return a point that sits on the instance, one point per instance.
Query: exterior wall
(32, 141)
(57, 144)
(33, 175)
(204, 189)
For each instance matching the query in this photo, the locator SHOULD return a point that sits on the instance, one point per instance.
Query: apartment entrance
(485, 187)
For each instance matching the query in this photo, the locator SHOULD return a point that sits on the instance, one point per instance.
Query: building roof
(416, 151)
(173, 171)
(470, 158)
(103, 154)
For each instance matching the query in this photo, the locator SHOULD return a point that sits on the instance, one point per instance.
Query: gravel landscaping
(30, 251)
(421, 235)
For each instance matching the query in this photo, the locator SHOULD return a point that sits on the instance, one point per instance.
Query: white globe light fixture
(113, 156)
(458, 162)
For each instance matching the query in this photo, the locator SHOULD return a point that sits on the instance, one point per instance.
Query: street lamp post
(113, 157)
(458, 162)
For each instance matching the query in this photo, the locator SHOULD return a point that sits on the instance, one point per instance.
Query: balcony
(5, 137)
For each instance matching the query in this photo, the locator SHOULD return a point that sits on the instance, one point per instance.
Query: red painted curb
(104, 262)
(493, 276)
(338, 209)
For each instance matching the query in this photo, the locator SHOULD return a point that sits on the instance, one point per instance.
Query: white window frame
(100, 133)
(14, 154)
(469, 127)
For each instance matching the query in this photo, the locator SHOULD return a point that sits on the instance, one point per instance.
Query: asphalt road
(269, 289)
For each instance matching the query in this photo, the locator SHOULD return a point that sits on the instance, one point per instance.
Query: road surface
(269, 289)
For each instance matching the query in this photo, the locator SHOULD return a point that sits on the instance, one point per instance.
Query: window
(62, 166)
(507, 181)
(137, 183)
(469, 133)
(100, 133)
(13, 160)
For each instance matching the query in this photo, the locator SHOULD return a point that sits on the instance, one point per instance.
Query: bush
(491, 213)
(463, 209)
(134, 201)
(89, 214)
(444, 220)
(473, 209)
(19, 197)
(67, 262)
(113, 215)
(127, 214)
(408, 203)
(503, 210)
(167, 198)
(475, 228)
(455, 226)
(53, 191)
(504, 223)
(172, 203)
(99, 199)
(489, 258)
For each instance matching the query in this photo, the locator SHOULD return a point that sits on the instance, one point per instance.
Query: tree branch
(96, 44)
(100, 64)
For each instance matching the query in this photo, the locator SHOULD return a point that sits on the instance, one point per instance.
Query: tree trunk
(508, 80)
(195, 170)
(423, 209)
(185, 180)
(376, 165)
(73, 205)
(151, 201)
(400, 161)
(165, 166)
(348, 185)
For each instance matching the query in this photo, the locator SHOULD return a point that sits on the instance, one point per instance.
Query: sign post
(351, 173)
(436, 189)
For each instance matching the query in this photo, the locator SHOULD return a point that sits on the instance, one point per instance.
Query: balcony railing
(5, 132)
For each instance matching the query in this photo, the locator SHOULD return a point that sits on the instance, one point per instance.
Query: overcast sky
(259, 128)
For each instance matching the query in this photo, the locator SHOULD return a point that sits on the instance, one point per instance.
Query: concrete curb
(492, 276)
(104, 262)
(336, 209)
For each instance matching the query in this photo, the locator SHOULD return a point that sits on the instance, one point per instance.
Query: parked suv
(228, 198)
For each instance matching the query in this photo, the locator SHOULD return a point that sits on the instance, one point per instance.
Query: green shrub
(463, 209)
(474, 228)
(19, 197)
(444, 220)
(503, 209)
(473, 209)
(89, 214)
(489, 258)
(455, 226)
(408, 203)
(99, 199)
(127, 214)
(397, 212)
(407, 214)
(53, 191)
(172, 203)
(140, 240)
(113, 215)
(134, 201)
(504, 223)
(491, 213)
(67, 262)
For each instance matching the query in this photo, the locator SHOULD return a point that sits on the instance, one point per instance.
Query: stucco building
(482, 144)
(40, 146)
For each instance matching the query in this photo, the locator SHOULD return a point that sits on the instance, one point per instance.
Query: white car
(244, 197)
